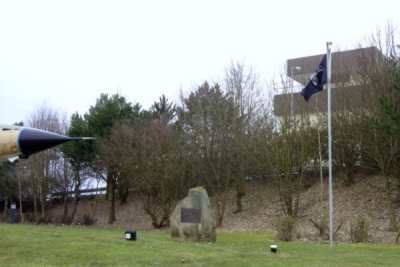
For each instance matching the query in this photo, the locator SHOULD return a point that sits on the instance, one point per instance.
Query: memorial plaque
(190, 215)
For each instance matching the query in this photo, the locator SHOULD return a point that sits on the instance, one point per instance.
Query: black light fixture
(130, 235)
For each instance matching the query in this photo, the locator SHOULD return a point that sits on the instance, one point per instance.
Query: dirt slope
(261, 210)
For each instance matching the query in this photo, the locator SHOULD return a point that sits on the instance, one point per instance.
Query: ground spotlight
(130, 235)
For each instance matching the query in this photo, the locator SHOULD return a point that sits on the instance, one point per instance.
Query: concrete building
(347, 86)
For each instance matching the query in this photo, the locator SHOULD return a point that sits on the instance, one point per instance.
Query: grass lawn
(30, 245)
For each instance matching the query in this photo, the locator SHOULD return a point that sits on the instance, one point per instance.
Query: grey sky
(66, 53)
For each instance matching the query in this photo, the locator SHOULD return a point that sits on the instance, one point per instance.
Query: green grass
(29, 245)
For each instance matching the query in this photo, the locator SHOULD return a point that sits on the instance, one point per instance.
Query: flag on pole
(317, 81)
(321, 76)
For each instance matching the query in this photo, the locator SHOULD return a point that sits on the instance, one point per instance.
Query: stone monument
(193, 218)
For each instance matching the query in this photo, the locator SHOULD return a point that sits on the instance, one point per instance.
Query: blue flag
(317, 80)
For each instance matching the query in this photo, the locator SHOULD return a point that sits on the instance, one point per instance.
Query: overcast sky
(66, 53)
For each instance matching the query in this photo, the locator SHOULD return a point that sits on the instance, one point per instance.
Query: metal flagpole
(328, 66)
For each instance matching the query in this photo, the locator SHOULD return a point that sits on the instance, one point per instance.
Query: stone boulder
(197, 232)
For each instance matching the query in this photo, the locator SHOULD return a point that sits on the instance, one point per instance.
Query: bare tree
(8, 185)
(381, 148)
(242, 87)
(160, 174)
(347, 139)
(287, 148)
(43, 167)
(148, 155)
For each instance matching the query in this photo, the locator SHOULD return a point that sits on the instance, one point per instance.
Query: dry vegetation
(261, 210)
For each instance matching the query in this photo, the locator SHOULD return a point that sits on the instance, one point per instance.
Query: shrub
(359, 230)
(87, 220)
(285, 228)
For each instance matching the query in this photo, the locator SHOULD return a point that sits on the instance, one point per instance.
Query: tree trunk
(122, 191)
(111, 191)
(20, 199)
(220, 207)
(43, 205)
(42, 197)
(35, 207)
(389, 202)
(240, 193)
(76, 190)
(398, 188)
(65, 213)
(5, 207)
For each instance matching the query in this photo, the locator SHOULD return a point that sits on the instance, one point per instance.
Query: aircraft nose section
(31, 140)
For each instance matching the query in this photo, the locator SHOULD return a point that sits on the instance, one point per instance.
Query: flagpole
(328, 63)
